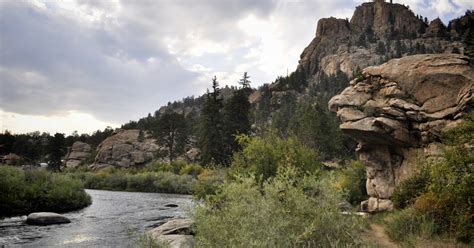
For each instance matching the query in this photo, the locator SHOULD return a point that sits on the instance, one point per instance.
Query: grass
(26, 191)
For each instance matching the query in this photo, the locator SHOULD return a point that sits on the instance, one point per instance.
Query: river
(115, 219)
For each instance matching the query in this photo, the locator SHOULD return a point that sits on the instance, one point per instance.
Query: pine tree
(236, 117)
(210, 135)
(245, 82)
(56, 150)
(172, 134)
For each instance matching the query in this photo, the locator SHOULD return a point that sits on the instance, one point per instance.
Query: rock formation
(46, 218)
(397, 111)
(79, 152)
(346, 45)
(174, 233)
(125, 149)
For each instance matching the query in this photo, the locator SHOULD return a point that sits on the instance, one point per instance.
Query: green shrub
(351, 181)
(39, 190)
(407, 192)
(208, 182)
(407, 224)
(138, 181)
(191, 169)
(286, 211)
(263, 157)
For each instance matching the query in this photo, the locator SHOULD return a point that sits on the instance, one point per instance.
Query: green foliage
(380, 48)
(56, 150)
(407, 224)
(143, 181)
(264, 157)
(24, 192)
(236, 119)
(407, 192)
(208, 182)
(191, 169)
(287, 211)
(316, 128)
(351, 180)
(444, 190)
(469, 43)
(141, 136)
(211, 132)
(172, 133)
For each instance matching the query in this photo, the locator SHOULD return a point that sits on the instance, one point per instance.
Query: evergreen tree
(469, 43)
(172, 134)
(245, 82)
(56, 150)
(211, 133)
(380, 48)
(236, 117)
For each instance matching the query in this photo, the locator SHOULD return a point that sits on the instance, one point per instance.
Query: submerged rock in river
(46, 218)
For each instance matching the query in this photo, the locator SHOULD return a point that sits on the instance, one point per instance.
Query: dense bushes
(275, 197)
(23, 192)
(263, 157)
(286, 211)
(407, 192)
(120, 180)
(443, 190)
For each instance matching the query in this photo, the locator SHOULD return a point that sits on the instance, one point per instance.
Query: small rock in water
(46, 218)
(171, 205)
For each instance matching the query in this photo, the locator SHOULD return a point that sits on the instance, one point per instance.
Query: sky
(83, 65)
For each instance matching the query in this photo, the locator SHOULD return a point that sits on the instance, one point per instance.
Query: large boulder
(175, 233)
(12, 159)
(46, 218)
(398, 111)
(79, 152)
(125, 148)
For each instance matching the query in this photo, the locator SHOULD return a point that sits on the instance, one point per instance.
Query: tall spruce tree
(172, 133)
(236, 117)
(211, 128)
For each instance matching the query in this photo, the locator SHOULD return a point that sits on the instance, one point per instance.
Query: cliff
(378, 31)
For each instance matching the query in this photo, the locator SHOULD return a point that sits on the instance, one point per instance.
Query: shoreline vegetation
(39, 190)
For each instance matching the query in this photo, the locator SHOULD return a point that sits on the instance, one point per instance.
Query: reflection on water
(113, 219)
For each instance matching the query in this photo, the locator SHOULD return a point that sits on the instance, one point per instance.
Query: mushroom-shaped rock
(46, 218)
(397, 111)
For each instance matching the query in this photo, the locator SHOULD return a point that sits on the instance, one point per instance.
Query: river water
(115, 219)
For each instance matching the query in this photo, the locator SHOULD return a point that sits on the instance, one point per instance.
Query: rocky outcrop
(376, 32)
(386, 20)
(79, 152)
(397, 111)
(12, 159)
(176, 233)
(46, 218)
(436, 29)
(125, 149)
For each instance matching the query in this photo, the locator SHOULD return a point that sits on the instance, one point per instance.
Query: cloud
(117, 60)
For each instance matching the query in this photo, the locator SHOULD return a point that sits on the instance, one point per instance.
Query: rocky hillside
(397, 112)
(377, 32)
